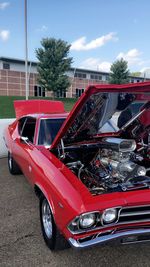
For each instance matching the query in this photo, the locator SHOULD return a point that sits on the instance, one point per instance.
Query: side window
(27, 128)
(21, 125)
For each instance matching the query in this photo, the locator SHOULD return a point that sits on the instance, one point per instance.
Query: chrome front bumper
(133, 235)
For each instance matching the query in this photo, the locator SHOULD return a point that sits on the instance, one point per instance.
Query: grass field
(7, 108)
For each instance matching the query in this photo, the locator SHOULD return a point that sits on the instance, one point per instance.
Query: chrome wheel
(47, 218)
(52, 237)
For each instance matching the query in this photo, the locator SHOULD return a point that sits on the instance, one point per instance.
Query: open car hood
(24, 107)
(95, 107)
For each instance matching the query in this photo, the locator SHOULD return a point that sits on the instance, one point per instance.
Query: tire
(12, 165)
(52, 237)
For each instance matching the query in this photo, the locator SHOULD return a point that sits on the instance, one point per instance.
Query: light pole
(26, 50)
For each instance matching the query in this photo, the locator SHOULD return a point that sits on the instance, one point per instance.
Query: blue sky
(100, 31)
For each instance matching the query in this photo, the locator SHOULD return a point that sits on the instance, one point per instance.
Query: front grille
(134, 214)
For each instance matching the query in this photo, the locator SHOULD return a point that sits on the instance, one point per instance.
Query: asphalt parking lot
(21, 243)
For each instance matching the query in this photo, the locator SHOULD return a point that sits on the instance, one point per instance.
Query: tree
(119, 72)
(136, 74)
(53, 64)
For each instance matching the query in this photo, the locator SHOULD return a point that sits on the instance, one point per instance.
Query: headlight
(87, 220)
(83, 222)
(109, 216)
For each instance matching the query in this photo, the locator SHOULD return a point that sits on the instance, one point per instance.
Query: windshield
(48, 130)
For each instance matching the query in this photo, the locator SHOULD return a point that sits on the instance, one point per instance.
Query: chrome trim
(99, 240)
(113, 224)
(132, 120)
(115, 221)
(47, 218)
(130, 214)
(131, 222)
(109, 225)
(80, 230)
(134, 213)
(117, 142)
(139, 206)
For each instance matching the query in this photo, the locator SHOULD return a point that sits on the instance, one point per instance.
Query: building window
(80, 75)
(79, 92)
(6, 66)
(96, 77)
(107, 77)
(60, 94)
(39, 91)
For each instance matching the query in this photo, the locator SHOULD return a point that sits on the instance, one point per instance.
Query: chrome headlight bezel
(84, 218)
(76, 225)
(109, 216)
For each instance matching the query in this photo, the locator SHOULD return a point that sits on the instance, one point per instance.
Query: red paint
(24, 107)
(56, 181)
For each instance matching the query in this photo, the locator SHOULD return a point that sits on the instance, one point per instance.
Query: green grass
(7, 108)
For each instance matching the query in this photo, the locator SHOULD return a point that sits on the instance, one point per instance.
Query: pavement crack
(23, 237)
(18, 239)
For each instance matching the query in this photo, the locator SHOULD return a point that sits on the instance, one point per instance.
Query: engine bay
(110, 165)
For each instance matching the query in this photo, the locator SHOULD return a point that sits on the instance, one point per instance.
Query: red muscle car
(91, 168)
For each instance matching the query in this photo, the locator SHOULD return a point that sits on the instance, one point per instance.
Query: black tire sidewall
(10, 167)
(14, 168)
(49, 241)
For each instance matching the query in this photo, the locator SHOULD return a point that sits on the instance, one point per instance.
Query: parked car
(93, 184)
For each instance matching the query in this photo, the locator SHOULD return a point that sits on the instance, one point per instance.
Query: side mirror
(24, 139)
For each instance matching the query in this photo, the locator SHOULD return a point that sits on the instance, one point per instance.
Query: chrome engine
(119, 159)
(116, 166)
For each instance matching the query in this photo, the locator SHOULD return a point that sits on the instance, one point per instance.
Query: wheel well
(38, 191)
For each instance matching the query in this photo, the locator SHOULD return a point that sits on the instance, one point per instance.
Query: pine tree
(119, 72)
(53, 64)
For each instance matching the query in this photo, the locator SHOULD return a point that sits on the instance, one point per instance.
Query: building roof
(22, 61)
(74, 69)
(88, 71)
(16, 60)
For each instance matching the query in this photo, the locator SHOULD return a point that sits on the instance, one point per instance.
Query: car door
(24, 144)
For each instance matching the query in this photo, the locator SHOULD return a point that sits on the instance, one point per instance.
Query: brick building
(12, 79)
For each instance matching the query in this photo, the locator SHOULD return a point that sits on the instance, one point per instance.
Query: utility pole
(26, 50)
(144, 76)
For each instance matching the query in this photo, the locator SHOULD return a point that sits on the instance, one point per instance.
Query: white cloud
(4, 35)
(105, 66)
(42, 29)
(81, 44)
(4, 5)
(96, 64)
(133, 57)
